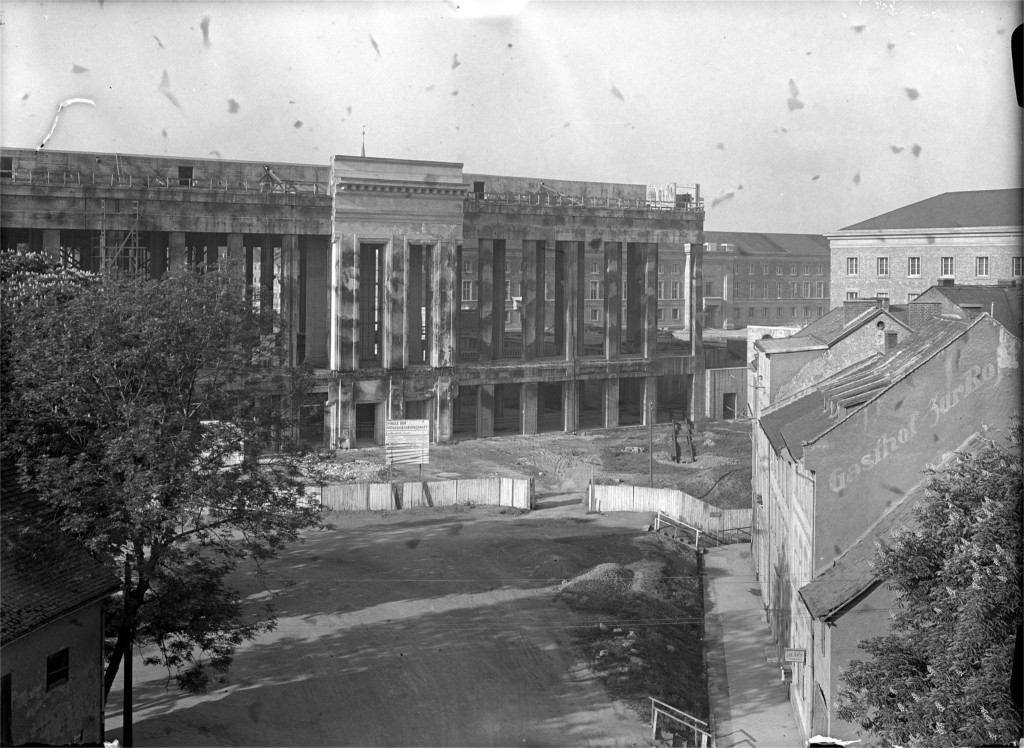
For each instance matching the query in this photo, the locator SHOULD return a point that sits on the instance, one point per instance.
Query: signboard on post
(661, 195)
(407, 442)
(795, 655)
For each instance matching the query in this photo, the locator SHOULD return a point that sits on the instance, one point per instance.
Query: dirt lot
(451, 627)
(472, 626)
(563, 464)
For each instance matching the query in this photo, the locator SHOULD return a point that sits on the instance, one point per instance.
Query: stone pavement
(749, 703)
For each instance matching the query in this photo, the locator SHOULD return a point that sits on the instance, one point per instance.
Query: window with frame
(946, 267)
(881, 294)
(883, 266)
(778, 311)
(850, 295)
(911, 296)
(764, 269)
(792, 311)
(807, 268)
(820, 269)
(764, 290)
(468, 291)
(851, 266)
(675, 313)
(595, 268)
(807, 289)
(677, 289)
(661, 314)
(780, 270)
(821, 311)
(661, 268)
(751, 269)
(807, 311)
(750, 311)
(467, 266)
(819, 289)
(595, 315)
(661, 291)
(675, 268)
(57, 669)
(595, 290)
(794, 289)
(981, 267)
(751, 289)
(914, 267)
(778, 290)
(6, 167)
(792, 268)
(1018, 265)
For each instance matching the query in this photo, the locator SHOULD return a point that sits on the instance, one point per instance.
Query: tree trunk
(123, 643)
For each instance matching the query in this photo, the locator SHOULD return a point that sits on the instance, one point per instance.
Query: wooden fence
(513, 492)
(676, 504)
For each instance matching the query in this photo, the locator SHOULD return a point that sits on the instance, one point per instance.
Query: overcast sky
(793, 116)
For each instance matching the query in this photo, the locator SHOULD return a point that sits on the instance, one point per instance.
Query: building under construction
(487, 304)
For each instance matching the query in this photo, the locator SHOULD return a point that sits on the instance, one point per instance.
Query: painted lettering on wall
(976, 378)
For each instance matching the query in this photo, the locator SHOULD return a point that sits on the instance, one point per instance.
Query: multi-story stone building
(764, 279)
(366, 259)
(966, 238)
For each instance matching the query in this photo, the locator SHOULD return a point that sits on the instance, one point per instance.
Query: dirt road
(417, 628)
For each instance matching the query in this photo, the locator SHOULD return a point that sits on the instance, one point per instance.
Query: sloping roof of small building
(43, 573)
(789, 426)
(853, 572)
(771, 244)
(1004, 303)
(978, 208)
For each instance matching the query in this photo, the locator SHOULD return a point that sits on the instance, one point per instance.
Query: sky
(799, 117)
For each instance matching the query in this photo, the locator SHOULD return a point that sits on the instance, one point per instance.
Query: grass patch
(648, 635)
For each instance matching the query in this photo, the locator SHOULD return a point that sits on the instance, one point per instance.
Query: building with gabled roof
(845, 451)
(51, 626)
(966, 238)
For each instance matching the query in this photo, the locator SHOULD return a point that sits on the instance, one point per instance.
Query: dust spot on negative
(79, 69)
(816, 177)
(896, 148)
(857, 29)
(298, 124)
(455, 92)
(856, 178)
(617, 93)
(411, 544)
(233, 106)
(720, 146)
(912, 93)
(374, 43)
(24, 96)
(898, 405)
(455, 61)
(890, 46)
(205, 26)
(916, 150)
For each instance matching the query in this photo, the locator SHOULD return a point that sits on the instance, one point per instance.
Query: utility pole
(650, 436)
(126, 732)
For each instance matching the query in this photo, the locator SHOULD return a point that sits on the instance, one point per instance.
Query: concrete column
(393, 336)
(650, 396)
(457, 305)
(559, 315)
(697, 301)
(395, 404)
(414, 305)
(571, 405)
(498, 335)
(266, 279)
(444, 289)
(291, 294)
(344, 320)
(634, 297)
(687, 292)
(157, 254)
(485, 410)
(51, 243)
(178, 251)
(650, 348)
(380, 417)
(529, 398)
(572, 254)
(611, 403)
(533, 300)
(340, 415)
(443, 424)
(236, 253)
(485, 300)
(612, 299)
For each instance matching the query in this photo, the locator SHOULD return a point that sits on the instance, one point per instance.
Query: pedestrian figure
(677, 451)
(689, 440)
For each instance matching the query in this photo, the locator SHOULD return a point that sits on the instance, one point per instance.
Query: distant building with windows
(962, 238)
(764, 279)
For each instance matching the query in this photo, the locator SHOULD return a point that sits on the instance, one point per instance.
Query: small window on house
(185, 175)
(821, 269)
(851, 266)
(981, 267)
(675, 313)
(478, 190)
(594, 268)
(821, 311)
(467, 266)
(780, 270)
(6, 167)
(468, 291)
(661, 314)
(883, 266)
(946, 265)
(595, 289)
(661, 268)
(595, 315)
(850, 295)
(1018, 265)
(57, 669)
(675, 268)
(914, 267)
(881, 294)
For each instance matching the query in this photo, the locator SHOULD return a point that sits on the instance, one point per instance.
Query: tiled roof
(1002, 302)
(793, 423)
(792, 343)
(952, 210)
(771, 244)
(825, 326)
(43, 574)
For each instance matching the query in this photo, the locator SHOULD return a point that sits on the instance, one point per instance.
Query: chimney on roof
(855, 307)
(923, 312)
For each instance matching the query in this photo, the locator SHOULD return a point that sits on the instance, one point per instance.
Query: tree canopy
(151, 415)
(942, 675)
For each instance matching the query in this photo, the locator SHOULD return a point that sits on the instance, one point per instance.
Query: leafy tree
(942, 676)
(143, 412)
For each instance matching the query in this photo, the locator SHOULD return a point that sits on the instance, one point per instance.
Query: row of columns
(641, 264)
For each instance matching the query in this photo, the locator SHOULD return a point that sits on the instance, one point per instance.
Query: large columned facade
(487, 305)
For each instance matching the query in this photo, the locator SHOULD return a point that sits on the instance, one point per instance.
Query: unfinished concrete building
(366, 261)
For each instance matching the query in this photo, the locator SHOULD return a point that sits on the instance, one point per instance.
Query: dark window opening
(6, 711)
(185, 176)
(57, 669)
(6, 167)
(478, 190)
